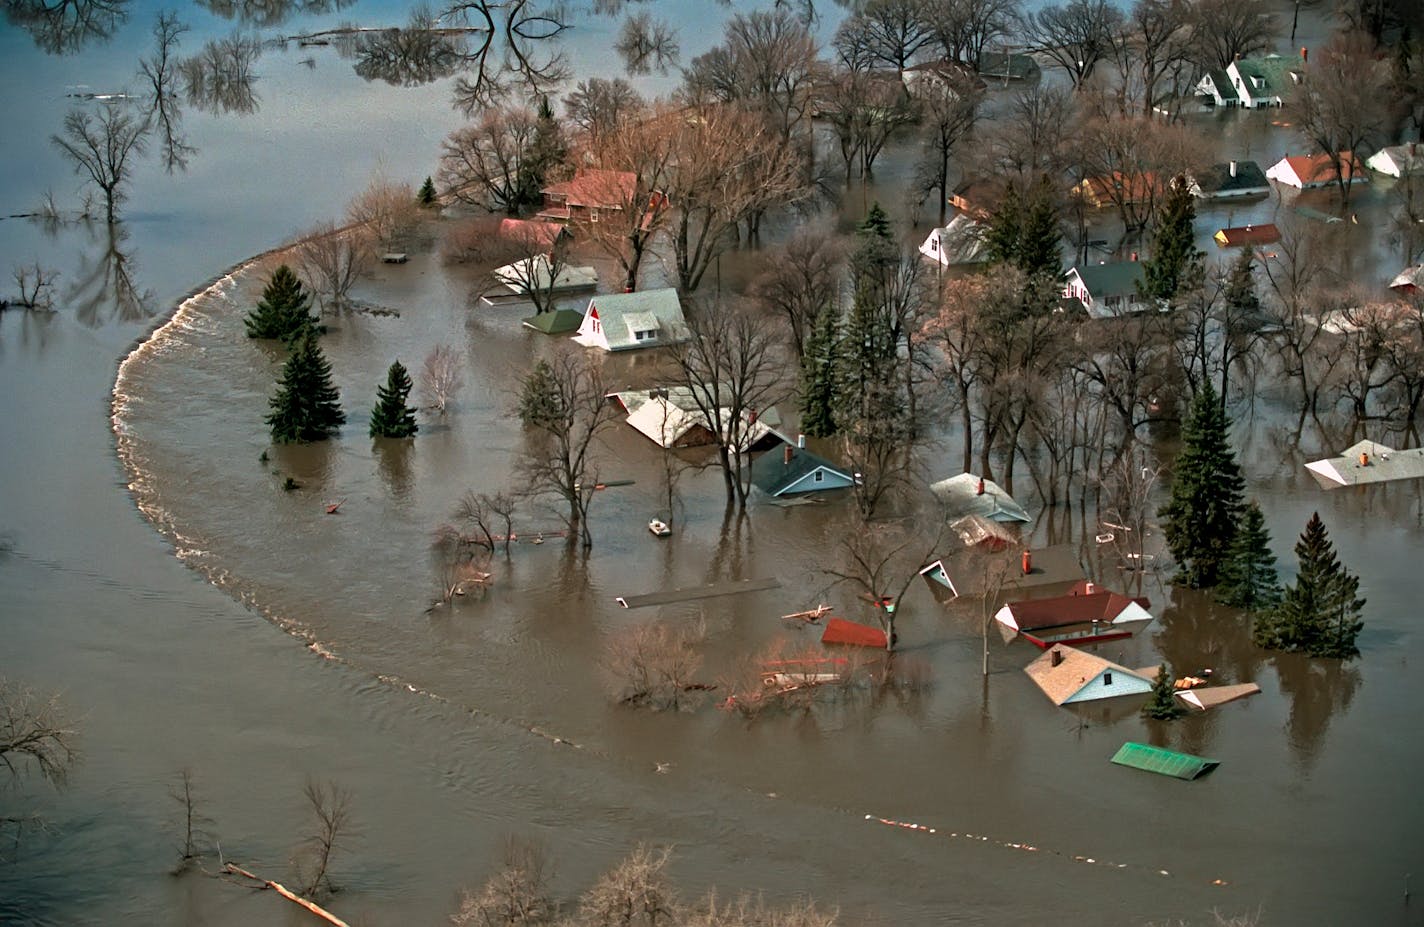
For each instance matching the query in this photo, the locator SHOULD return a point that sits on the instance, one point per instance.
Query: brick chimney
(1304, 54)
(1056, 656)
(786, 453)
(979, 490)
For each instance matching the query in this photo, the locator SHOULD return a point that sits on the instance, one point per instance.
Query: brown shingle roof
(1059, 611)
(1076, 670)
(595, 188)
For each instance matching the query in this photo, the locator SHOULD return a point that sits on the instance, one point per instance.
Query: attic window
(820, 477)
(1107, 678)
(645, 336)
(1257, 82)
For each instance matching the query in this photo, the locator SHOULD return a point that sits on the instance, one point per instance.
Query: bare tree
(656, 665)
(599, 107)
(635, 893)
(1298, 279)
(564, 412)
(965, 28)
(1341, 111)
(646, 44)
(527, 259)
(35, 737)
(332, 258)
(1128, 164)
(101, 146)
(880, 560)
(514, 48)
(948, 109)
(1127, 508)
(731, 367)
(803, 278)
(386, 210)
(332, 829)
(220, 78)
(1225, 30)
(420, 52)
(63, 28)
(884, 32)
(487, 163)
(518, 895)
(441, 377)
(161, 73)
(1153, 43)
(1076, 36)
(105, 285)
(34, 286)
(193, 822)
(865, 109)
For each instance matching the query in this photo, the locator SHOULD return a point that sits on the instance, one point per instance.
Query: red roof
(1321, 167)
(1117, 186)
(1079, 606)
(840, 631)
(595, 188)
(540, 235)
(1264, 234)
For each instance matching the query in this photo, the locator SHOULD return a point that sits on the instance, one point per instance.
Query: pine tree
(539, 405)
(306, 406)
(1207, 489)
(1006, 229)
(1162, 706)
(1240, 290)
(1039, 249)
(876, 224)
(282, 313)
(1320, 613)
(820, 369)
(1173, 251)
(1248, 577)
(426, 196)
(392, 418)
(547, 150)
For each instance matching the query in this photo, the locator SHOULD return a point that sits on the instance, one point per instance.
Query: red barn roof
(1083, 604)
(840, 631)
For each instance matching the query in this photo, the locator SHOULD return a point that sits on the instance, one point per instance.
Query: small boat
(659, 528)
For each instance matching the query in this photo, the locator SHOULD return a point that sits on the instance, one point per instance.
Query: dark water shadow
(105, 287)
(65, 27)
(1318, 690)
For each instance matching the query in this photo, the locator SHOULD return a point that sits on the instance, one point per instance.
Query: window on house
(819, 477)
(644, 336)
(1107, 679)
(593, 215)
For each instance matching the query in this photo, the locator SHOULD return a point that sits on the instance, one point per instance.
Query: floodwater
(259, 641)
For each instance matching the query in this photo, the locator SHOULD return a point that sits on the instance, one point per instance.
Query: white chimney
(1233, 168)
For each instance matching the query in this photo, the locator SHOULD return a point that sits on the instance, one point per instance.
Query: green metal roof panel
(555, 323)
(1163, 762)
(1222, 81)
(1116, 279)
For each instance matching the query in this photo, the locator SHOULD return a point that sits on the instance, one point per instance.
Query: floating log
(811, 615)
(288, 894)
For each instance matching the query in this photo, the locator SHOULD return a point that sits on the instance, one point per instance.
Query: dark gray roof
(772, 474)
(1117, 279)
(1218, 179)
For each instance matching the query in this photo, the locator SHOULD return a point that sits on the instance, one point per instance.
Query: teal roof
(1273, 71)
(774, 476)
(1164, 762)
(1222, 82)
(558, 322)
(1117, 279)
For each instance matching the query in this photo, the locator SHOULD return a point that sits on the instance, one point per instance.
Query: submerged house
(1230, 179)
(521, 279)
(1254, 83)
(975, 571)
(628, 321)
(1408, 281)
(1119, 188)
(1008, 66)
(1397, 160)
(967, 494)
(591, 192)
(942, 73)
(796, 470)
(1087, 614)
(1069, 676)
(672, 418)
(1247, 235)
(1305, 172)
(960, 243)
(1106, 290)
(1367, 462)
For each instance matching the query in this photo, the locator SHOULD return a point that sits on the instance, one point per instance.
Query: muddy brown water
(260, 641)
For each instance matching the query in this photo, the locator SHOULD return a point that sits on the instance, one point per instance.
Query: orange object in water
(840, 631)
(1027, 562)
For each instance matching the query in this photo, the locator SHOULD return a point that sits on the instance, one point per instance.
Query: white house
(671, 418)
(958, 243)
(1068, 676)
(1397, 160)
(1254, 83)
(626, 321)
(1106, 290)
(521, 279)
(1306, 171)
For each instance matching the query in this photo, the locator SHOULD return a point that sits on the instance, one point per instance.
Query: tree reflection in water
(408, 57)
(104, 288)
(218, 80)
(1317, 689)
(266, 14)
(63, 27)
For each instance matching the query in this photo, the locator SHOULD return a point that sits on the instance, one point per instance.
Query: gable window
(1107, 679)
(820, 477)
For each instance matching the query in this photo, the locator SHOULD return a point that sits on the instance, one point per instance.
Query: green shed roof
(557, 322)
(1165, 762)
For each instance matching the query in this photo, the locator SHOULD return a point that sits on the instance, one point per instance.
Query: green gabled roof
(558, 322)
(1274, 71)
(1224, 87)
(773, 474)
(1119, 278)
(1164, 762)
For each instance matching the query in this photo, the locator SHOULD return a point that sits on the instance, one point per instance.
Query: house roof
(976, 529)
(1074, 608)
(613, 311)
(1219, 79)
(960, 495)
(945, 70)
(977, 197)
(1264, 234)
(595, 187)
(1320, 168)
(1165, 762)
(959, 242)
(1383, 463)
(1012, 65)
(1409, 277)
(969, 570)
(1120, 187)
(773, 474)
(1403, 159)
(530, 274)
(558, 322)
(1119, 278)
(666, 416)
(536, 234)
(1076, 669)
(1217, 180)
(841, 631)
(1274, 72)
(1212, 696)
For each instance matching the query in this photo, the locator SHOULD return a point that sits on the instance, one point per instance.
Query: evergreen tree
(1248, 577)
(820, 370)
(876, 224)
(392, 418)
(547, 150)
(282, 313)
(1320, 613)
(426, 196)
(1039, 249)
(1162, 706)
(1240, 290)
(1006, 229)
(1207, 489)
(1173, 252)
(306, 406)
(539, 405)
